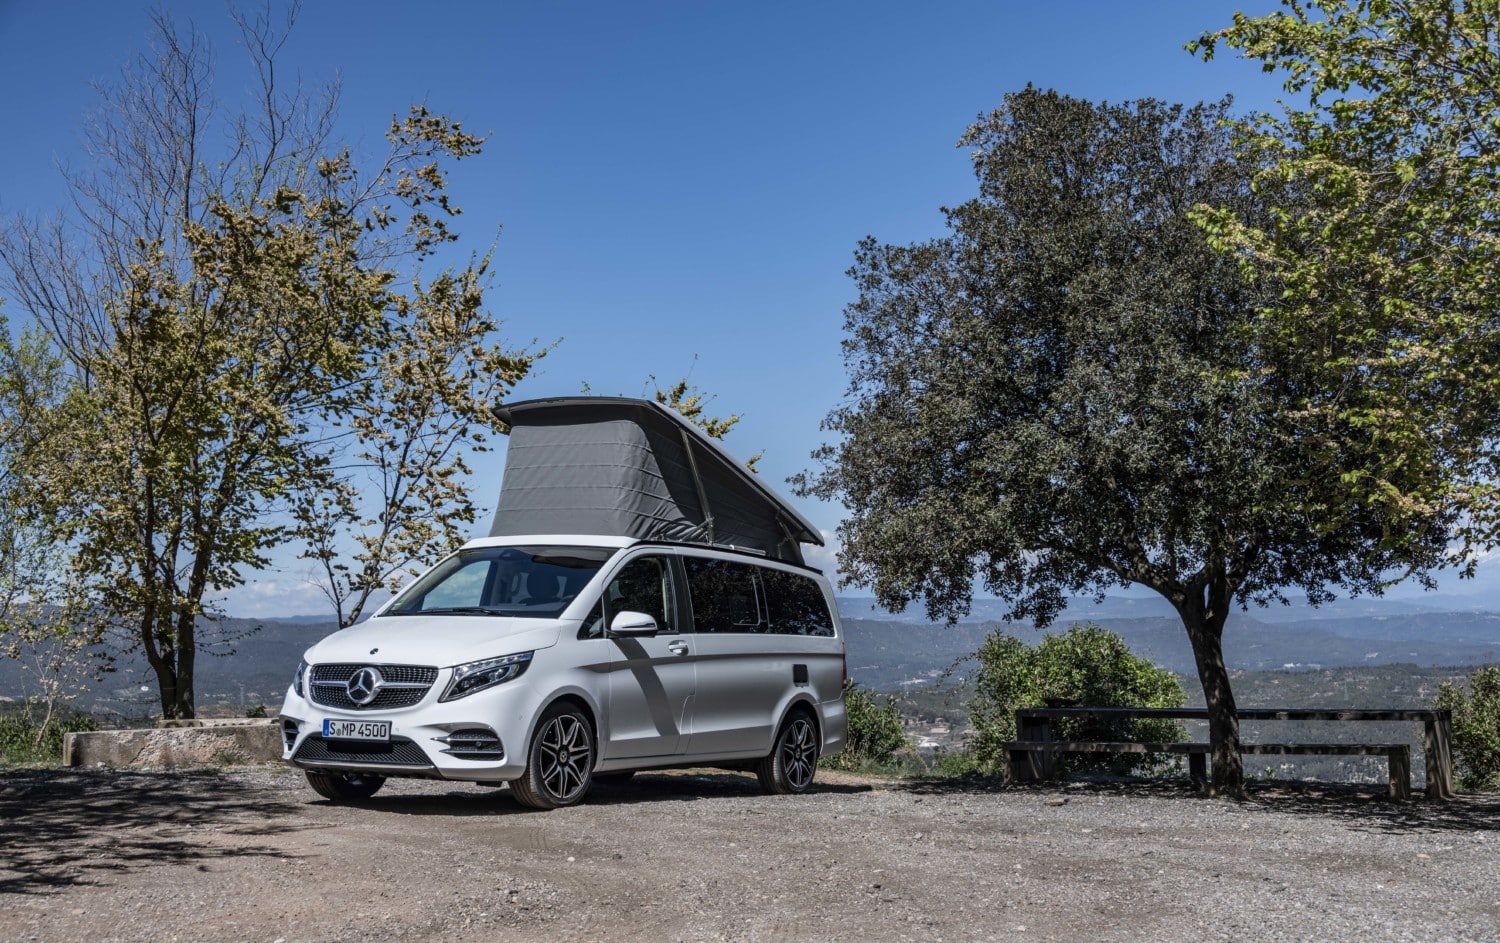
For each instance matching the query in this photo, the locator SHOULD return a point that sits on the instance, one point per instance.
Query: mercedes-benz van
(547, 661)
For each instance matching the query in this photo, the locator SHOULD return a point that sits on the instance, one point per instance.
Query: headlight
(478, 675)
(297, 680)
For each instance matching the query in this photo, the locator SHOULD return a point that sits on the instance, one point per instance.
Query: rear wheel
(560, 764)
(344, 787)
(794, 758)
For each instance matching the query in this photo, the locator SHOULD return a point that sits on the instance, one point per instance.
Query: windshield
(536, 582)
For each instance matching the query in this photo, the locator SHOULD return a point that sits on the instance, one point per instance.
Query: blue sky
(680, 185)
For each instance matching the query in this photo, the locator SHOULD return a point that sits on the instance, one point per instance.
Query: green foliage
(254, 354)
(1476, 728)
(1065, 394)
(46, 623)
(692, 403)
(1386, 239)
(30, 737)
(1058, 396)
(876, 732)
(1085, 665)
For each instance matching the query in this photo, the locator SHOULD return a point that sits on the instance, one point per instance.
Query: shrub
(24, 742)
(875, 730)
(1476, 728)
(1085, 665)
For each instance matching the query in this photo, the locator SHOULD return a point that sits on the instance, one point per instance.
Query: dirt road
(253, 855)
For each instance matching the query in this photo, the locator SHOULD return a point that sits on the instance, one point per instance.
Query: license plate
(377, 731)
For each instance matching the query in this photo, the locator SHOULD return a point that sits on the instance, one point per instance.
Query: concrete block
(215, 744)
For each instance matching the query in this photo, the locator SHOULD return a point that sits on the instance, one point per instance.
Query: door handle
(678, 648)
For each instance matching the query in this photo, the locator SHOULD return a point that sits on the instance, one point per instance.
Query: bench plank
(1024, 758)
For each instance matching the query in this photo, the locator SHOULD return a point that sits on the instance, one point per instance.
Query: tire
(560, 763)
(344, 787)
(794, 757)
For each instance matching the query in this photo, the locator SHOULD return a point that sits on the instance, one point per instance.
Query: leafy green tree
(1476, 727)
(1386, 240)
(1085, 665)
(1061, 395)
(255, 354)
(875, 729)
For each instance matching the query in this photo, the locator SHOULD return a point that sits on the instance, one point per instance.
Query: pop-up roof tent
(633, 468)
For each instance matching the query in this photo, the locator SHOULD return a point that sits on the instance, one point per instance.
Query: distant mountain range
(887, 652)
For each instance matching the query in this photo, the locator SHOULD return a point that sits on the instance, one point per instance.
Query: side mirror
(629, 624)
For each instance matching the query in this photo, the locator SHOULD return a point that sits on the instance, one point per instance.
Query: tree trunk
(163, 661)
(187, 658)
(166, 685)
(1206, 632)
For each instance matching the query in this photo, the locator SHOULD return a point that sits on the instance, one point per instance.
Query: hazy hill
(902, 651)
(889, 652)
(246, 663)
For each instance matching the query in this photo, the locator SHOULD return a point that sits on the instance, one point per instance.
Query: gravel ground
(252, 854)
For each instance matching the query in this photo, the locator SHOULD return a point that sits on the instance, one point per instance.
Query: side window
(795, 604)
(723, 594)
(644, 585)
(593, 624)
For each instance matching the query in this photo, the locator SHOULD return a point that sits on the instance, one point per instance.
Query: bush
(875, 730)
(19, 744)
(1085, 665)
(1476, 728)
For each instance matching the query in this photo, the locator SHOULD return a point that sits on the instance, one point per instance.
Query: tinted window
(643, 585)
(795, 604)
(723, 594)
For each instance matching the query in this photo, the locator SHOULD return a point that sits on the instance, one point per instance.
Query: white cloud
(277, 595)
(825, 558)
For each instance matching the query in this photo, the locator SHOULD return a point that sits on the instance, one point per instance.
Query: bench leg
(1198, 769)
(1438, 750)
(1400, 787)
(1038, 762)
(1025, 766)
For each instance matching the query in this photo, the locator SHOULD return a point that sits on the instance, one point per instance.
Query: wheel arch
(576, 699)
(804, 704)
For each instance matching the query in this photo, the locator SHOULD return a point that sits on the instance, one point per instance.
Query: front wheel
(560, 765)
(345, 787)
(794, 758)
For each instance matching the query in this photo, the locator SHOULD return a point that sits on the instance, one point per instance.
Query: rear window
(723, 594)
(795, 604)
(741, 597)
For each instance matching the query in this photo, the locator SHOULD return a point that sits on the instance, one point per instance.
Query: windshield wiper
(450, 610)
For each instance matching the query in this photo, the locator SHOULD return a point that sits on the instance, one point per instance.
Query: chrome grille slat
(474, 743)
(404, 685)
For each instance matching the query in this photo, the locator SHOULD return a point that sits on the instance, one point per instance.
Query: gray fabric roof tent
(614, 466)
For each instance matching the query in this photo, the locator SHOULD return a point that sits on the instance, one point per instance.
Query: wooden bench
(1029, 759)
(1034, 727)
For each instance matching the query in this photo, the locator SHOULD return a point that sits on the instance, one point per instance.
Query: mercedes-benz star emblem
(365, 685)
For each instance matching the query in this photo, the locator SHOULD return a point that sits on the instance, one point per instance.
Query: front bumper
(480, 738)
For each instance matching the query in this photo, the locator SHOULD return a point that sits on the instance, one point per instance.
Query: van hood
(441, 641)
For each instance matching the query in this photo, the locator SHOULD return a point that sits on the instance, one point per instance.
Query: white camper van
(641, 602)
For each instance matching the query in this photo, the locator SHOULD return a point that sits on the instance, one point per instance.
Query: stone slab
(255, 741)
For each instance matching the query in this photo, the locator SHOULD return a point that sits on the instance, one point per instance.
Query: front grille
(399, 752)
(407, 684)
